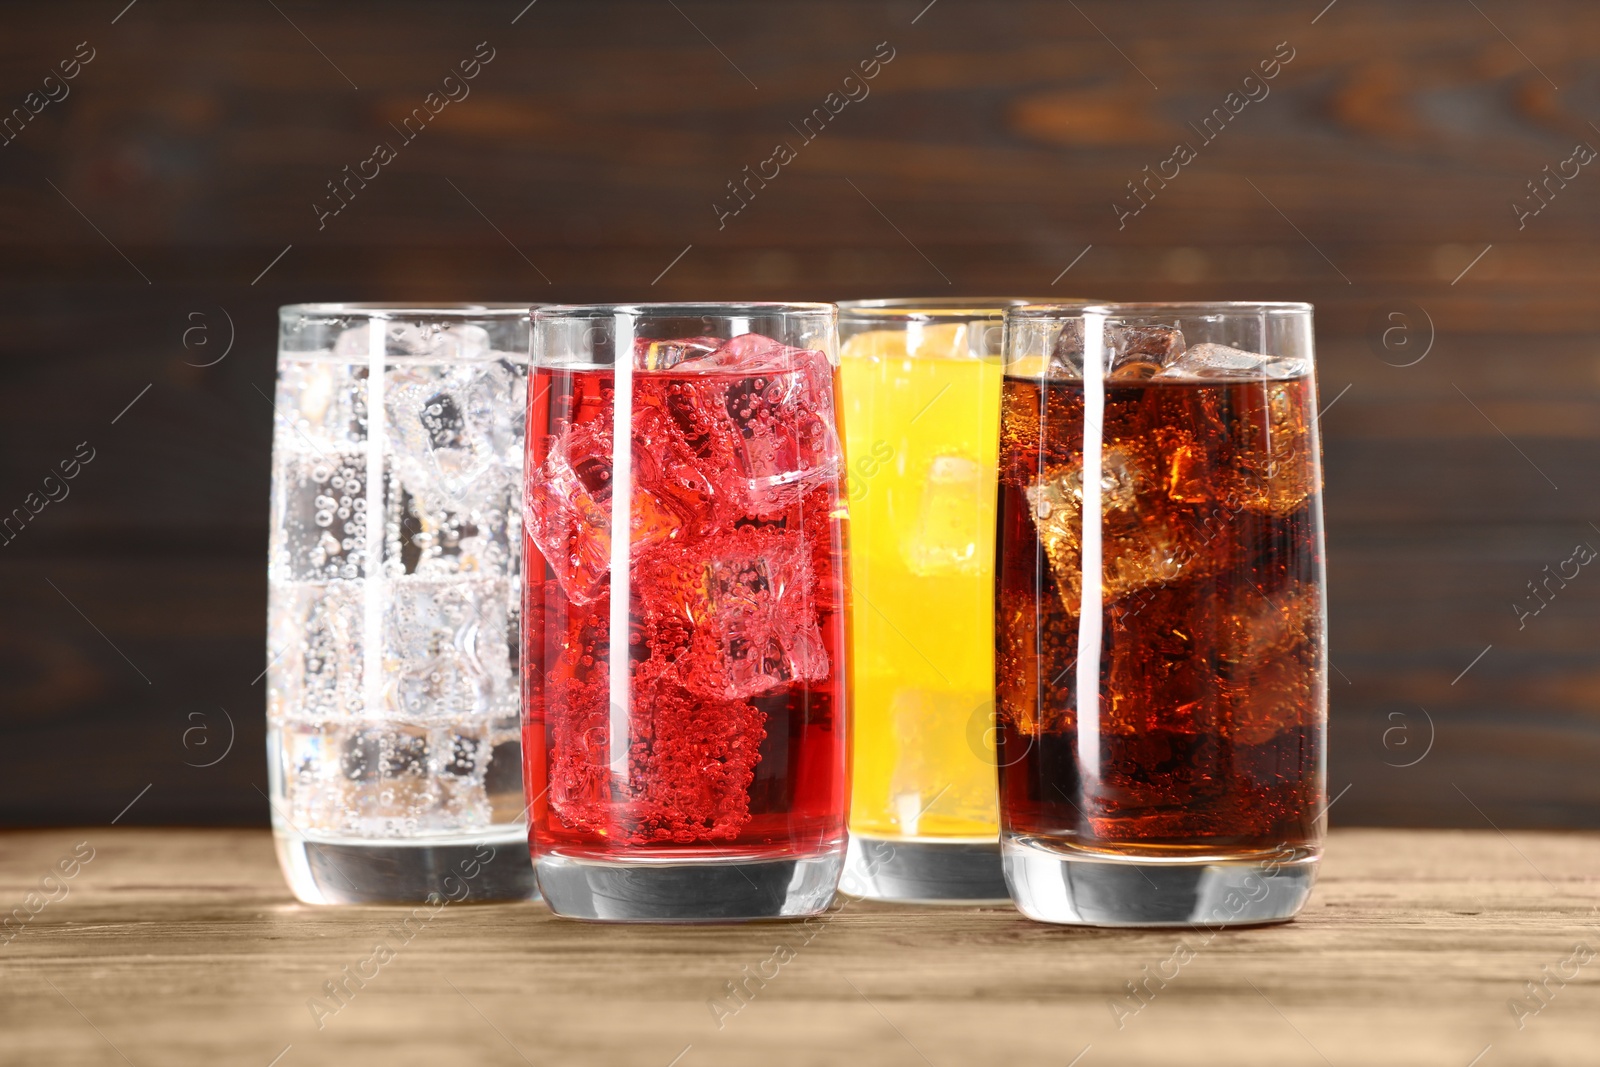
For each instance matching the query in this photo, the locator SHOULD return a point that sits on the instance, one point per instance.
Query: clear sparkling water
(392, 689)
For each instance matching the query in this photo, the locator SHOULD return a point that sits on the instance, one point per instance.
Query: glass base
(461, 870)
(925, 870)
(1057, 883)
(714, 890)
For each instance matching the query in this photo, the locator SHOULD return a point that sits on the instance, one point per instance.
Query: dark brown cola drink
(1201, 737)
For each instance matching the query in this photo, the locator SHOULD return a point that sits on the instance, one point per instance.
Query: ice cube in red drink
(733, 729)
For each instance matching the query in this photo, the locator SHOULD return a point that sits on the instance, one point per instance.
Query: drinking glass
(1160, 622)
(685, 686)
(921, 394)
(393, 748)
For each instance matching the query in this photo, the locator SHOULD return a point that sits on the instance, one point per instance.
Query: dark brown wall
(137, 217)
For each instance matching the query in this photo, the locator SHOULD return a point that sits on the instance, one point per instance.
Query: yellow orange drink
(921, 388)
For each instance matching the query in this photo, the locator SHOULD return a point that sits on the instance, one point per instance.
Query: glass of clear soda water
(393, 742)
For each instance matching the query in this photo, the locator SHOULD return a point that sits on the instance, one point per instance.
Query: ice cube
(670, 469)
(1066, 356)
(460, 757)
(651, 354)
(1140, 352)
(748, 596)
(502, 775)
(385, 779)
(461, 749)
(1035, 649)
(940, 721)
(445, 424)
(1142, 544)
(659, 511)
(950, 527)
(580, 792)
(310, 754)
(456, 342)
(760, 633)
(787, 440)
(319, 506)
(1208, 360)
(314, 670)
(1160, 662)
(435, 540)
(1268, 650)
(353, 343)
(1132, 352)
(752, 418)
(1246, 444)
(1270, 696)
(362, 776)
(1263, 621)
(1277, 456)
(758, 353)
(320, 407)
(404, 752)
(568, 509)
(690, 766)
(448, 647)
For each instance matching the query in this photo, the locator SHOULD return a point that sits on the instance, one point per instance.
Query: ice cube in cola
(1211, 661)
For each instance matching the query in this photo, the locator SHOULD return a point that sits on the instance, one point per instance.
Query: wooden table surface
(179, 947)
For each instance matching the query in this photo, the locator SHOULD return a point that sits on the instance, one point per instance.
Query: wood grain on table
(180, 947)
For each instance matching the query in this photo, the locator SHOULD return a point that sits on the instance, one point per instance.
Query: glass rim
(378, 310)
(681, 309)
(1178, 307)
(938, 309)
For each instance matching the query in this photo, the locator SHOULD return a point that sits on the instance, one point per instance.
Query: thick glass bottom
(1058, 883)
(925, 870)
(720, 889)
(462, 870)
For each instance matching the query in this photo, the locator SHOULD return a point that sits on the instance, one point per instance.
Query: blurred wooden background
(164, 207)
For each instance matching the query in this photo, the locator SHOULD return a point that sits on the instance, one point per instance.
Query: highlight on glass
(685, 684)
(1160, 614)
(921, 395)
(394, 753)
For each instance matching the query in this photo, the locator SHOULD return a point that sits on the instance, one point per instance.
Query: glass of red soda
(685, 686)
(1161, 650)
